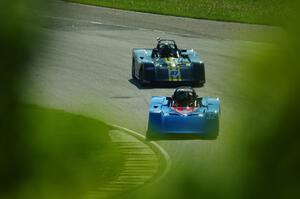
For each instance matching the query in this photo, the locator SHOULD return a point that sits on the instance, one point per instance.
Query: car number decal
(174, 73)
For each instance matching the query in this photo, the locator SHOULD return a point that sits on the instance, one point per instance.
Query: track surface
(85, 68)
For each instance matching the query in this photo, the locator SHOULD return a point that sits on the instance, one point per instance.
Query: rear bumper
(168, 82)
(189, 75)
(152, 135)
(179, 127)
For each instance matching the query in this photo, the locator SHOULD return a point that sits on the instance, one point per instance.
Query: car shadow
(173, 85)
(182, 137)
(137, 84)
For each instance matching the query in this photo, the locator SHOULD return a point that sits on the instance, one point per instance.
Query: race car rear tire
(198, 84)
(149, 136)
(133, 69)
(142, 83)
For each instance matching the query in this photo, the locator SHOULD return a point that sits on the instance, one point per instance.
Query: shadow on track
(173, 85)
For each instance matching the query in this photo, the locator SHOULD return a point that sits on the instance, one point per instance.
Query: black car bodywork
(167, 63)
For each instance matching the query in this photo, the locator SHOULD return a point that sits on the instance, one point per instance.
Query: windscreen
(184, 99)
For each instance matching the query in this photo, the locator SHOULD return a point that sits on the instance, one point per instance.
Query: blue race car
(167, 63)
(183, 116)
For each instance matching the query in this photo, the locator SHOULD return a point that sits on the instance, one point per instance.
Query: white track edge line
(154, 146)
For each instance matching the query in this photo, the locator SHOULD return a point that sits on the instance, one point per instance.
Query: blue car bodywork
(183, 66)
(167, 123)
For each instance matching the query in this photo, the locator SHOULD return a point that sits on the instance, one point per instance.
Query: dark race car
(183, 116)
(167, 63)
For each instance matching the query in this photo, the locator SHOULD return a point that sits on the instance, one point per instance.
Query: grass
(65, 152)
(247, 11)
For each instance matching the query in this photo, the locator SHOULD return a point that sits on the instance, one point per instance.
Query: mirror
(202, 102)
(183, 50)
(154, 53)
(169, 100)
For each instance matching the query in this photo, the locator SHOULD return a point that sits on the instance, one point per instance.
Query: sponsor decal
(173, 68)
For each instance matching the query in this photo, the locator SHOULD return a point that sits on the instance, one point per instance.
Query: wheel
(210, 137)
(141, 77)
(198, 84)
(133, 69)
(149, 136)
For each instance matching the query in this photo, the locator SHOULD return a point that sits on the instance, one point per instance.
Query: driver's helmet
(166, 50)
(184, 97)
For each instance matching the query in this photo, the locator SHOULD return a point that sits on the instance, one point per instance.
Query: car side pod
(167, 124)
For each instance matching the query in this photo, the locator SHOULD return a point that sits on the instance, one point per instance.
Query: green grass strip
(65, 154)
(247, 11)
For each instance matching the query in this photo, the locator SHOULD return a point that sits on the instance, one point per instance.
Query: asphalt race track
(85, 68)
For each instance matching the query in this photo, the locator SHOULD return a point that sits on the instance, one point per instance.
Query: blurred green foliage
(271, 146)
(43, 153)
(52, 154)
(263, 159)
(68, 155)
(16, 40)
